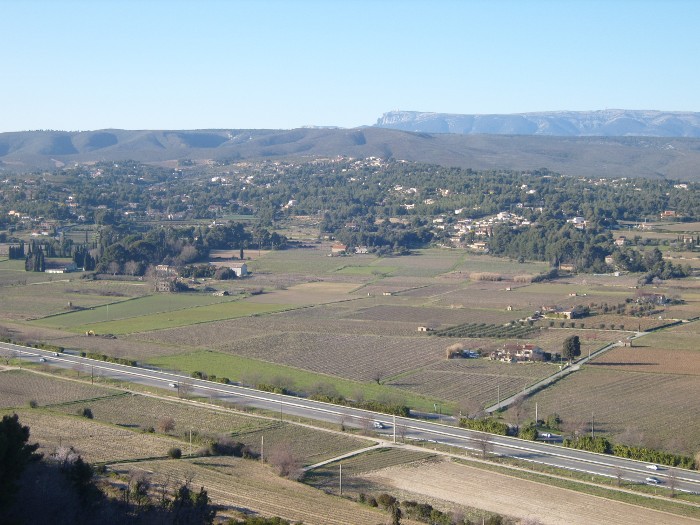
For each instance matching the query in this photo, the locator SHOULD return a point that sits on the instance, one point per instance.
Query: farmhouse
(239, 268)
(479, 246)
(338, 249)
(518, 353)
(557, 312)
(653, 298)
(66, 268)
(164, 269)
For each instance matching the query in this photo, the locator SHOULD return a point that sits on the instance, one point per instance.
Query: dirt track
(473, 487)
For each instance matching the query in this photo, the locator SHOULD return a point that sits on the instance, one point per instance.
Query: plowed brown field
(503, 494)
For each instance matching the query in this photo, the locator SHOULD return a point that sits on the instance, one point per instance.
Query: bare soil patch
(523, 499)
(651, 359)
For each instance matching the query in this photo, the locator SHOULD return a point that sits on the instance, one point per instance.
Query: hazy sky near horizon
(171, 64)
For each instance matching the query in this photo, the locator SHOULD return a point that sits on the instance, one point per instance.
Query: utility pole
(190, 441)
(536, 418)
(262, 449)
(394, 428)
(92, 374)
(499, 396)
(341, 479)
(592, 428)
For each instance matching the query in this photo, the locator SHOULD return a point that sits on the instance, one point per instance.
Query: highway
(398, 428)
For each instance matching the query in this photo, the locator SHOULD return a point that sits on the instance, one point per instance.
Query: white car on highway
(653, 480)
(653, 467)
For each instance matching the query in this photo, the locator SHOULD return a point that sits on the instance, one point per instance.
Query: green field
(313, 261)
(156, 312)
(242, 369)
(365, 270)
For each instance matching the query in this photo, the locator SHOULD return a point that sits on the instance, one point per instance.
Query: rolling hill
(651, 157)
(603, 123)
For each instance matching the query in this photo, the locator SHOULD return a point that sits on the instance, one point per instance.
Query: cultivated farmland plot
(520, 297)
(350, 356)
(660, 409)
(327, 476)
(623, 322)
(246, 486)
(307, 445)
(18, 387)
(139, 412)
(426, 316)
(95, 442)
(644, 358)
(327, 318)
(55, 296)
(143, 306)
(446, 483)
(307, 261)
(307, 294)
(486, 263)
(552, 339)
(181, 317)
(427, 263)
(461, 380)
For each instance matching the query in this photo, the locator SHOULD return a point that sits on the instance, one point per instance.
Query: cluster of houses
(166, 276)
(479, 228)
(519, 353)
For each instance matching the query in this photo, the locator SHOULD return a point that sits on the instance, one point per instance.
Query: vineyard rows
(244, 485)
(95, 441)
(370, 461)
(458, 387)
(143, 412)
(650, 409)
(18, 387)
(308, 445)
(356, 357)
(479, 330)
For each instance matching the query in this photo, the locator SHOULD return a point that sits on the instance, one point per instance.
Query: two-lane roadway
(393, 427)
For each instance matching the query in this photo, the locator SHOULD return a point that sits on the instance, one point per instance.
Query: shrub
(33, 403)
(227, 447)
(85, 412)
(174, 453)
(386, 500)
(485, 425)
(166, 424)
(528, 431)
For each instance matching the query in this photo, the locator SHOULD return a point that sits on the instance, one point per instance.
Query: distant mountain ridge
(603, 123)
(604, 157)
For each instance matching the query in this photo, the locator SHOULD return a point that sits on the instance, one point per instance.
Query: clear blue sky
(169, 64)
